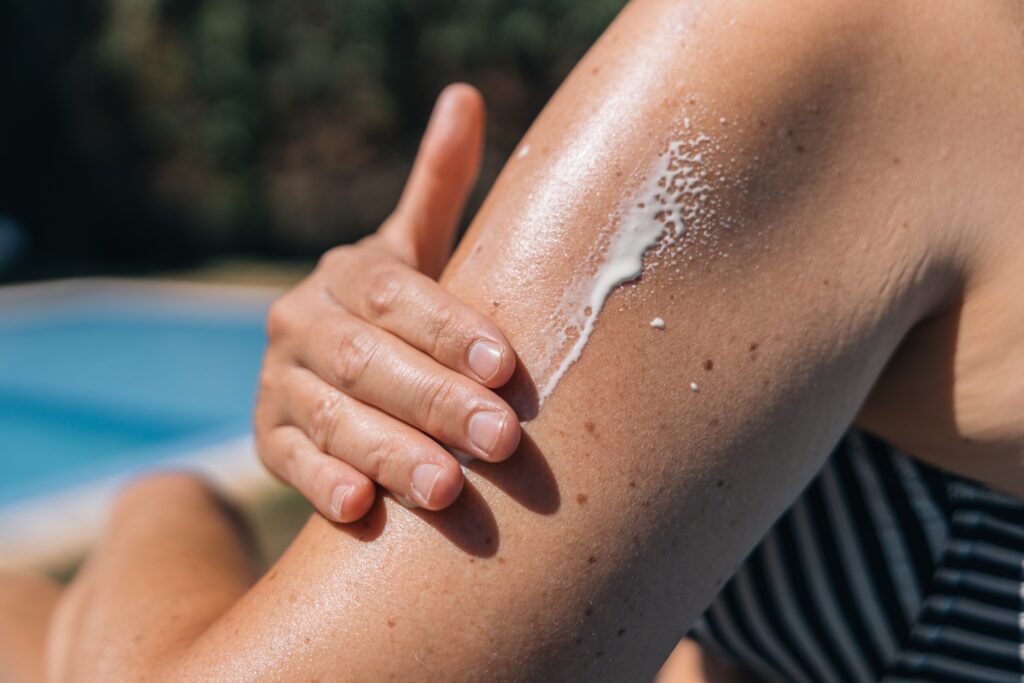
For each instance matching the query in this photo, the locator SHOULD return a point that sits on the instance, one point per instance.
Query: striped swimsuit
(884, 569)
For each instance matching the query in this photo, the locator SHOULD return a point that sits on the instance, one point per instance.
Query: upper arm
(634, 493)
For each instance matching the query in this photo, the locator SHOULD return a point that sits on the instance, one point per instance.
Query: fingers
(442, 177)
(419, 311)
(337, 490)
(400, 458)
(381, 370)
(376, 356)
(358, 327)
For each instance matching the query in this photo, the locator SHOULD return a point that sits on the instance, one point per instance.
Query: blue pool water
(102, 381)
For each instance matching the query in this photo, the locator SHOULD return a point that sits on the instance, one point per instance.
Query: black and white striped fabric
(884, 569)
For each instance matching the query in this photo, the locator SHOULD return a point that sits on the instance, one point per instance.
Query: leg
(26, 607)
(174, 557)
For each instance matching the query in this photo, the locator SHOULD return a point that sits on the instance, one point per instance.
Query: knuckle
(261, 428)
(289, 456)
(333, 259)
(279, 318)
(441, 327)
(323, 422)
(275, 455)
(385, 293)
(267, 385)
(354, 354)
(433, 396)
(319, 481)
(383, 461)
(157, 489)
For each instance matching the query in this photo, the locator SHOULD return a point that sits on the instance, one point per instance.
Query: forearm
(173, 559)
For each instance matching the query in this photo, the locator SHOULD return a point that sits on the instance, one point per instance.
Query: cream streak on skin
(623, 262)
(582, 186)
(675, 206)
(575, 168)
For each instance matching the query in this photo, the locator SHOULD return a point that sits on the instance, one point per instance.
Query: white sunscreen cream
(672, 207)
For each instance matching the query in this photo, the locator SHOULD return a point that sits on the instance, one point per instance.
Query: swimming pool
(102, 380)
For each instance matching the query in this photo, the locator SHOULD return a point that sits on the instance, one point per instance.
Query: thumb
(442, 177)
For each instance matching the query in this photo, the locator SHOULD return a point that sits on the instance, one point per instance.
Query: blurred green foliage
(142, 133)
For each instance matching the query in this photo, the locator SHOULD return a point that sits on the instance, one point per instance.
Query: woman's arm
(814, 241)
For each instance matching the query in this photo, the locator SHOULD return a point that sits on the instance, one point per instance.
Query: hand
(370, 360)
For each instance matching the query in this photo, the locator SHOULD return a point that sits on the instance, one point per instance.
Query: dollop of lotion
(669, 204)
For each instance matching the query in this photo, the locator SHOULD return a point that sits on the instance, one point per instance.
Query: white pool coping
(199, 294)
(55, 528)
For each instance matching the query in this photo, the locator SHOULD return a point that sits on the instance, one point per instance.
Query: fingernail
(485, 429)
(338, 500)
(424, 478)
(485, 359)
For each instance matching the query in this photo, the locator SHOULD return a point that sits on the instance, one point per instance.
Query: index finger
(419, 311)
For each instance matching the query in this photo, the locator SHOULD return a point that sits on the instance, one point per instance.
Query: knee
(173, 500)
(168, 491)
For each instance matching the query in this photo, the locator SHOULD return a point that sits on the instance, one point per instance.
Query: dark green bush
(146, 132)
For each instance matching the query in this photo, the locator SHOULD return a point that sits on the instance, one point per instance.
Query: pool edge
(54, 530)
